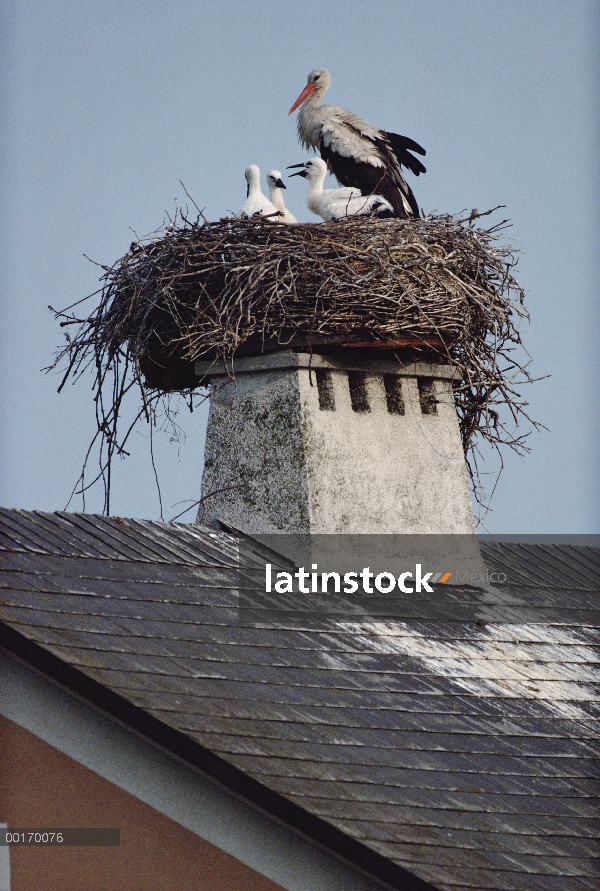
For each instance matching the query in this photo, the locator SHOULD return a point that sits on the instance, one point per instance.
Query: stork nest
(200, 290)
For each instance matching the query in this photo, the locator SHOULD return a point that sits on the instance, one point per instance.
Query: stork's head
(252, 174)
(313, 170)
(318, 82)
(275, 181)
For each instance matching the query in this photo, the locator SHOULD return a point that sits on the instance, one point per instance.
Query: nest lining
(212, 290)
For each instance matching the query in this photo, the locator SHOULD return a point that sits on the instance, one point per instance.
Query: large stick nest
(216, 290)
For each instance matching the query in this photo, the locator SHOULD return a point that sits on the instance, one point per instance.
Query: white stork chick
(358, 153)
(256, 204)
(336, 204)
(276, 184)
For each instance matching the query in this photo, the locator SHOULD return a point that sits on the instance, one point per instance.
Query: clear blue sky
(107, 105)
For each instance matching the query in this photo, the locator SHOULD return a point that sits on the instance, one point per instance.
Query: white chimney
(317, 444)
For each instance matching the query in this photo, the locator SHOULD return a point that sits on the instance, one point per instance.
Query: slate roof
(432, 754)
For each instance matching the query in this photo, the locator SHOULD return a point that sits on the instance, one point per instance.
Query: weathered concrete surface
(381, 472)
(255, 468)
(277, 462)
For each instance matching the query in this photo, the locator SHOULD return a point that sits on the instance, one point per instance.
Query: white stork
(256, 204)
(276, 184)
(336, 204)
(358, 153)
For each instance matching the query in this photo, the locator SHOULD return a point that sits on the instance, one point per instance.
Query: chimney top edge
(289, 359)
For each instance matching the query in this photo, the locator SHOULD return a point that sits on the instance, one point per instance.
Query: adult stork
(358, 153)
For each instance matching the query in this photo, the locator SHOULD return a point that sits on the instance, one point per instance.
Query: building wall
(152, 777)
(42, 787)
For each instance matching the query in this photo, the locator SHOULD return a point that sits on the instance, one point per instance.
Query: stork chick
(356, 152)
(276, 184)
(336, 204)
(256, 204)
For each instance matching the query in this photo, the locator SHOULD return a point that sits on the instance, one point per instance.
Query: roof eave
(199, 758)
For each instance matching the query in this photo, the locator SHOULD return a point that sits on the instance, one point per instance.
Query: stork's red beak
(306, 92)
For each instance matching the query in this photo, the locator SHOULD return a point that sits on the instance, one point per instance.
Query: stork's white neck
(316, 180)
(277, 198)
(316, 193)
(310, 120)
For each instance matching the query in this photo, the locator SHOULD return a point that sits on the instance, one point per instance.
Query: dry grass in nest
(214, 290)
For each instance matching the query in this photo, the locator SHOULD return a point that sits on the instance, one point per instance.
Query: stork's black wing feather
(407, 142)
(401, 146)
(381, 210)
